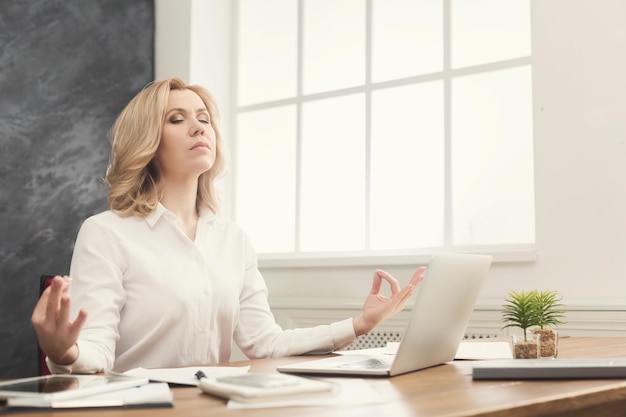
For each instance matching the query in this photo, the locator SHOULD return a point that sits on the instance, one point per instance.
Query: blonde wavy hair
(132, 177)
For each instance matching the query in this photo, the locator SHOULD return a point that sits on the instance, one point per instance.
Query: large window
(372, 127)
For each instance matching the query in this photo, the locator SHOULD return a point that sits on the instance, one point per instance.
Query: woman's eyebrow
(181, 110)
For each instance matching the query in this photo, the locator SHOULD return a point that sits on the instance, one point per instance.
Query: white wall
(579, 92)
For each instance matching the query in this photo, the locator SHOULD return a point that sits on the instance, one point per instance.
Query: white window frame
(218, 79)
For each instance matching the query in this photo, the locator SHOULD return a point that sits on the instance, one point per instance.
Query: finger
(376, 282)
(393, 283)
(39, 311)
(405, 294)
(77, 325)
(63, 317)
(418, 276)
(54, 297)
(407, 291)
(62, 306)
(66, 283)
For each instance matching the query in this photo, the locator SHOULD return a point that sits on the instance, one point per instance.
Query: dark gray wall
(67, 68)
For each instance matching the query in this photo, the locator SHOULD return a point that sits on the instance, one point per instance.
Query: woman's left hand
(377, 307)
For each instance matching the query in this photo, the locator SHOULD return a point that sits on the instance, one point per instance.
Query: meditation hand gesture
(51, 319)
(377, 307)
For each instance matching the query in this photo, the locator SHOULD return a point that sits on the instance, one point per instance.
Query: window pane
(334, 44)
(492, 158)
(407, 38)
(332, 193)
(407, 168)
(266, 177)
(489, 30)
(267, 50)
(446, 162)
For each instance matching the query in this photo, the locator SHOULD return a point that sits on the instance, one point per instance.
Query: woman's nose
(197, 128)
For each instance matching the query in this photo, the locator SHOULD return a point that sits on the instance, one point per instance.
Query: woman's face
(187, 147)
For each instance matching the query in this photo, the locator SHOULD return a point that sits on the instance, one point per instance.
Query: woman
(166, 281)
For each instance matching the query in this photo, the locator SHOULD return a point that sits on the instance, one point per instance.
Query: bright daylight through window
(383, 126)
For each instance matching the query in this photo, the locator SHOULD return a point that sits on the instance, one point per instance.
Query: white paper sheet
(484, 351)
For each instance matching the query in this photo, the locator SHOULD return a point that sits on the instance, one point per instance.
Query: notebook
(444, 302)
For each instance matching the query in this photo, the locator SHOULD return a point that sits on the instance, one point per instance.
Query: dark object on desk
(601, 368)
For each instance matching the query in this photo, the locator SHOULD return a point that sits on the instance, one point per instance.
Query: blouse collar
(206, 215)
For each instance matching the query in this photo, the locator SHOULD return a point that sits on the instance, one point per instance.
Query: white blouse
(155, 298)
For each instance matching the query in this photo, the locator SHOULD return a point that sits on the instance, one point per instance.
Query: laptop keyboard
(374, 363)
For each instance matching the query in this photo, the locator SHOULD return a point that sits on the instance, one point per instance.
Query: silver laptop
(444, 302)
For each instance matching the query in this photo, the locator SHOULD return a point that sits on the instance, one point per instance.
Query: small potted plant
(519, 311)
(547, 316)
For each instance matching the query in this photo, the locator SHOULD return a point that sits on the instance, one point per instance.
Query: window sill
(501, 254)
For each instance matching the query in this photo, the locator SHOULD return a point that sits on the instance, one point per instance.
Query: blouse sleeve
(96, 272)
(258, 335)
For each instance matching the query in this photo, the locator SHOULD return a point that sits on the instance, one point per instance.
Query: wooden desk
(446, 390)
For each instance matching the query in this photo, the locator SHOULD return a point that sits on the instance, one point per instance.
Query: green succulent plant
(525, 309)
(519, 310)
(547, 304)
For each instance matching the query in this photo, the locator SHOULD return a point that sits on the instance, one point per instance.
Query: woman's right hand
(51, 318)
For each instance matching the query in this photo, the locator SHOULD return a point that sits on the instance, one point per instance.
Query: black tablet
(57, 387)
